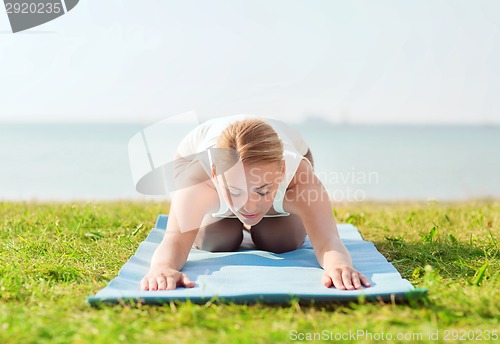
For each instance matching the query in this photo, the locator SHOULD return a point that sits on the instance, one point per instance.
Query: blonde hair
(252, 141)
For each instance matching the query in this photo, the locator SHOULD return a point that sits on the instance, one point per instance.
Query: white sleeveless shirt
(205, 136)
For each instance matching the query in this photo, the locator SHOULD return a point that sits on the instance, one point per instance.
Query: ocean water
(355, 163)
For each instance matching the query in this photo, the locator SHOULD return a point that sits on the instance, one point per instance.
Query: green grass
(53, 255)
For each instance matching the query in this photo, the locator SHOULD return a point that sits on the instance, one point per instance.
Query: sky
(344, 61)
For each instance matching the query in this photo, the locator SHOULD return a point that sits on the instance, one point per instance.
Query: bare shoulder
(299, 188)
(190, 205)
(200, 197)
(303, 176)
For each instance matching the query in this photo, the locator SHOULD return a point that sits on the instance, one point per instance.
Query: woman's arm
(188, 213)
(308, 198)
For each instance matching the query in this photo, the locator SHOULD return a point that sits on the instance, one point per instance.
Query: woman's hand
(344, 277)
(165, 279)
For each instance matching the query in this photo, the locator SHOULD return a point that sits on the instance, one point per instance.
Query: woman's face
(250, 190)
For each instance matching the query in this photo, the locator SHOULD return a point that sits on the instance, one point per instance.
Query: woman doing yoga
(248, 173)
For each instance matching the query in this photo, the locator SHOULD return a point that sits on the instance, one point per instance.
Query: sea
(75, 161)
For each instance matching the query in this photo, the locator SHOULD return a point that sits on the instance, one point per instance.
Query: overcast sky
(362, 61)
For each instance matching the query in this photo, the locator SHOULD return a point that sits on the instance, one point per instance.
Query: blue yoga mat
(249, 275)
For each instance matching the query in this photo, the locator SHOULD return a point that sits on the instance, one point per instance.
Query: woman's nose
(250, 207)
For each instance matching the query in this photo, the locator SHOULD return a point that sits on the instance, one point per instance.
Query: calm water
(75, 161)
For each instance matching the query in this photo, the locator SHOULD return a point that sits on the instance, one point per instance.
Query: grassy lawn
(53, 255)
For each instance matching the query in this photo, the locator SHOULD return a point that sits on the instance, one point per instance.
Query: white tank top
(205, 136)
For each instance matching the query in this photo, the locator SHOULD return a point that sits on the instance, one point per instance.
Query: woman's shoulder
(201, 196)
(303, 175)
(303, 189)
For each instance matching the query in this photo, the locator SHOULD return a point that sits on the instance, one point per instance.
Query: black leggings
(274, 234)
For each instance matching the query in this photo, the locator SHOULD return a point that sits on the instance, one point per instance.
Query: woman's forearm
(171, 253)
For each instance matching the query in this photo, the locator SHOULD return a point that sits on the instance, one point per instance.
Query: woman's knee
(221, 236)
(279, 235)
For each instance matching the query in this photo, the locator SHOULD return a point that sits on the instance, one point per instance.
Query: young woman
(248, 173)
